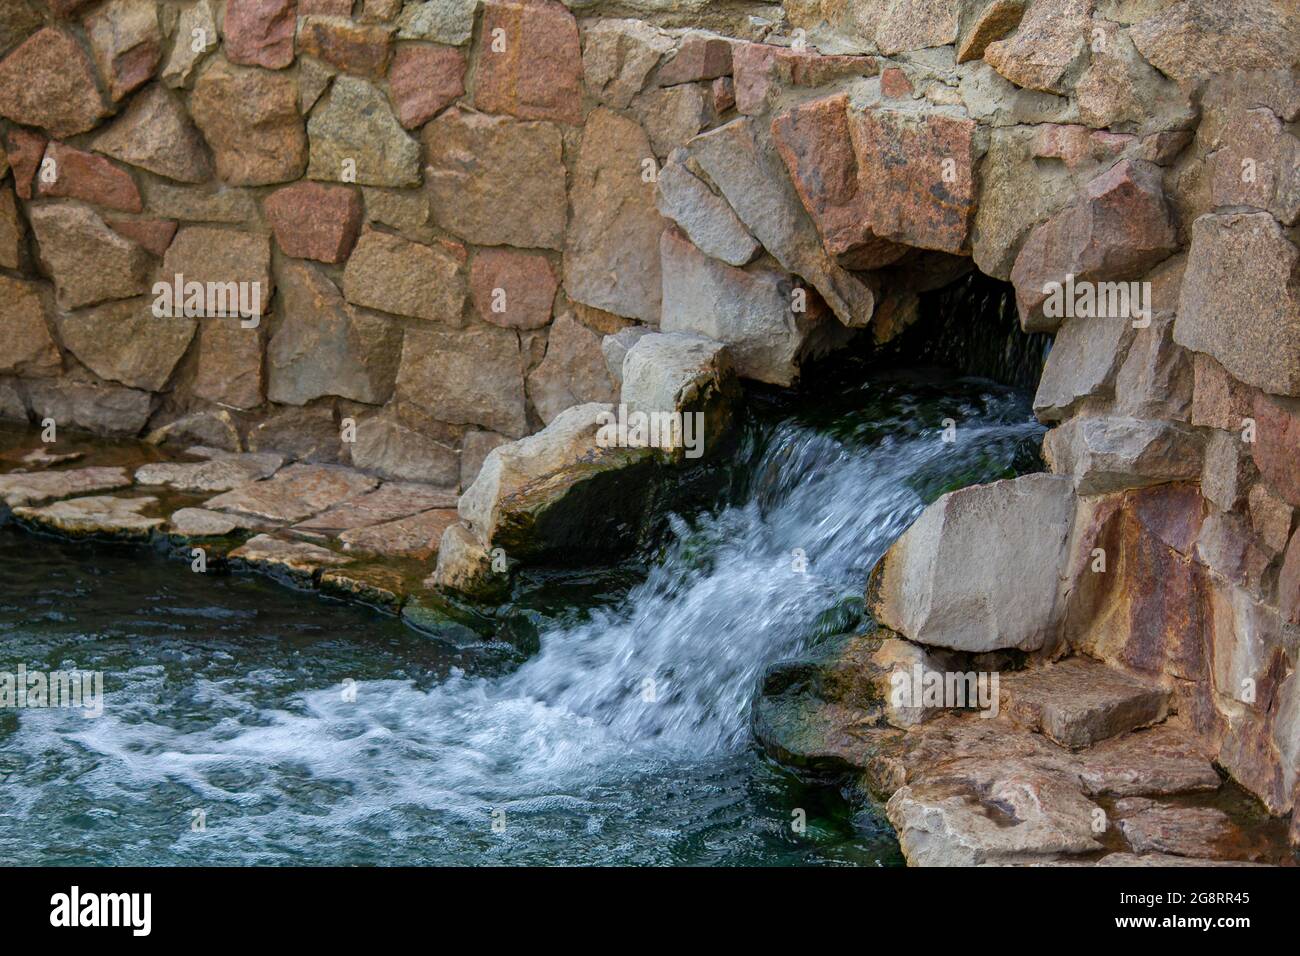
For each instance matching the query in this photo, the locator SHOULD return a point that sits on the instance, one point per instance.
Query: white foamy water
(614, 743)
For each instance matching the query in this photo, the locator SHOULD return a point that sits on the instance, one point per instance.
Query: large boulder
(980, 569)
(560, 494)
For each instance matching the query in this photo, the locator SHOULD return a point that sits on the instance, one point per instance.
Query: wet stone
(392, 500)
(295, 493)
(202, 523)
(297, 561)
(416, 536)
(103, 515)
(30, 489)
(218, 474)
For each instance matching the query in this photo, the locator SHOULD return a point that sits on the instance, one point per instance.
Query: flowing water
(248, 724)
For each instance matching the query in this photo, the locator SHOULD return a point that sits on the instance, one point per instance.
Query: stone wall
(462, 214)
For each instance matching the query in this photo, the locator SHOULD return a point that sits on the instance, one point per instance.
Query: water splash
(630, 723)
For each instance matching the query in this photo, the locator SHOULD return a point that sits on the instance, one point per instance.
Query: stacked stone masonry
(453, 227)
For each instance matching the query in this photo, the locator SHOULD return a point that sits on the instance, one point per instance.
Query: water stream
(624, 740)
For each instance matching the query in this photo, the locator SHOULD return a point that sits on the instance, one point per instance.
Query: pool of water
(245, 723)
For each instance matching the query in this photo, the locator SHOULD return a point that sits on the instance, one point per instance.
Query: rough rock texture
(363, 49)
(18, 490)
(1111, 454)
(1118, 229)
(323, 346)
(1189, 41)
(750, 181)
(260, 32)
(215, 474)
(48, 82)
(125, 342)
(89, 262)
(557, 490)
(751, 311)
(530, 61)
(424, 81)
(1079, 702)
(299, 561)
(390, 273)
(704, 216)
(215, 256)
(96, 516)
(917, 176)
(102, 409)
(495, 181)
(1240, 300)
(944, 582)
(663, 165)
(472, 376)
(389, 449)
(312, 221)
(155, 133)
(512, 289)
(355, 138)
(250, 119)
(297, 492)
(29, 349)
(611, 260)
(816, 145)
(79, 175)
(573, 371)
(618, 56)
